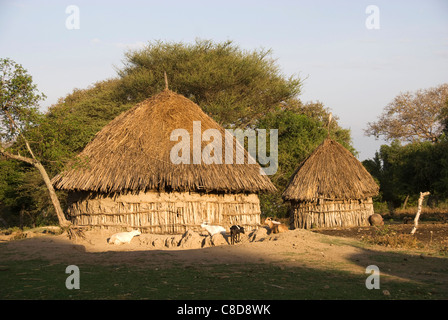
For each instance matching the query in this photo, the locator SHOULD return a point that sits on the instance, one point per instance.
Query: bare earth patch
(294, 248)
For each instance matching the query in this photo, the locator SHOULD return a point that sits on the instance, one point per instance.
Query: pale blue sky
(354, 71)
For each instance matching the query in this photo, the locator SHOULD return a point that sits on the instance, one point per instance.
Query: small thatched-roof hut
(125, 177)
(330, 188)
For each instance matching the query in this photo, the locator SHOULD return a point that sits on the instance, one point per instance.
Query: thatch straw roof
(330, 172)
(132, 153)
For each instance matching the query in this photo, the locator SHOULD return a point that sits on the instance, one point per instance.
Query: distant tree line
(416, 124)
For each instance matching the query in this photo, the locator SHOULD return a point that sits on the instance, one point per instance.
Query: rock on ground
(218, 239)
(191, 239)
(259, 235)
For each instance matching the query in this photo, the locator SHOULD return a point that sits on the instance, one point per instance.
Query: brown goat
(275, 226)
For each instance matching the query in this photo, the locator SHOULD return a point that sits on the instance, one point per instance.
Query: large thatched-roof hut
(330, 188)
(125, 177)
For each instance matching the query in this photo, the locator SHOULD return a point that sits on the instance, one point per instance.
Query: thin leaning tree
(19, 110)
(419, 210)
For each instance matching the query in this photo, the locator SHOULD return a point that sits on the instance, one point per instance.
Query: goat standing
(212, 230)
(235, 233)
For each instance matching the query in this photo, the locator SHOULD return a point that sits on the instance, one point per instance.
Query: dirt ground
(335, 250)
(259, 246)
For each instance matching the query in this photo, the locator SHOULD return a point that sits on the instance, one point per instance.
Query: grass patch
(38, 279)
(343, 242)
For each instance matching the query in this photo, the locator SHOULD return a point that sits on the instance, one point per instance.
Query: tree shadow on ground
(420, 269)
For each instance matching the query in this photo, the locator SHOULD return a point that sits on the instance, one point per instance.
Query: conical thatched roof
(330, 172)
(132, 153)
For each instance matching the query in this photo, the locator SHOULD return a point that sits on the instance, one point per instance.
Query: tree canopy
(416, 160)
(413, 116)
(407, 170)
(19, 100)
(233, 86)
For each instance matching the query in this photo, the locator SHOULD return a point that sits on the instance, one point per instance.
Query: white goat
(213, 229)
(123, 237)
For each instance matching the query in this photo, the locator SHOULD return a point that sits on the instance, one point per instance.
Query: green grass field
(38, 279)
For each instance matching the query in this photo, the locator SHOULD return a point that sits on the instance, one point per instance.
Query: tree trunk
(63, 222)
(3, 221)
(21, 218)
(417, 216)
(405, 202)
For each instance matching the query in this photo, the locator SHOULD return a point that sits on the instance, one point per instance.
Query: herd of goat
(235, 232)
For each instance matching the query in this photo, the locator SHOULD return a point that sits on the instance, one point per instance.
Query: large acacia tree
(232, 85)
(235, 87)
